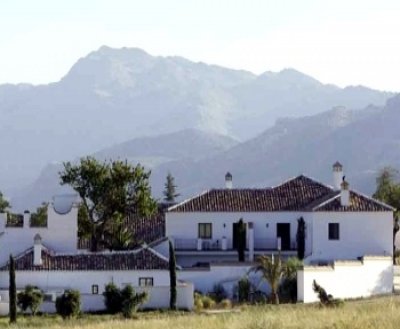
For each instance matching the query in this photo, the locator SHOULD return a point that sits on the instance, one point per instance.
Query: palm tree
(271, 271)
(120, 237)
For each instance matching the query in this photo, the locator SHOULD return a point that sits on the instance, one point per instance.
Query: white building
(346, 232)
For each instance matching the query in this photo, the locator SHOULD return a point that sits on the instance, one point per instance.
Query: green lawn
(375, 313)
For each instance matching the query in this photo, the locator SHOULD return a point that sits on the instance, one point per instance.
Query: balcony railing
(192, 244)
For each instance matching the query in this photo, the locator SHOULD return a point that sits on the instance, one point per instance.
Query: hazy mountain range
(194, 119)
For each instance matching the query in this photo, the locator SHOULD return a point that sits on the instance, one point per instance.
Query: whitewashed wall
(361, 233)
(350, 279)
(185, 225)
(60, 234)
(83, 280)
(158, 299)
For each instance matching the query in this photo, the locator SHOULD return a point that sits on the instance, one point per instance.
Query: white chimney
(337, 175)
(228, 180)
(37, 250)
(344, 194)
(27, 219)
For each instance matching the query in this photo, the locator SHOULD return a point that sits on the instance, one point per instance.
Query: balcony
(225, 244)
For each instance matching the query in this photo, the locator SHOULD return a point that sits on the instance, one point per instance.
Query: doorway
(236, 237)
(283, 232)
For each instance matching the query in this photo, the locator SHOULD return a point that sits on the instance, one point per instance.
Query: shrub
(287, 291)
(218, 293)
(324, 298)
(226, 303)
(112, 298)
(208, 302)
(131, 301)
(125, 300)
(198, 301)
(244, 290)
(30, 298)
(69, 304)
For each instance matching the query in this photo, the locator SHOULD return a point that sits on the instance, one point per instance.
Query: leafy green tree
(120, 236)
(4, 204)
(39, 218)
(388, 191)
(288, 287)
(112, 298)
(108, 188)
(172, 277)
(69, 304)
(84, 223)
(12, 292)
(301, 238)
(30, 298)
(170, 189)
(271, 270)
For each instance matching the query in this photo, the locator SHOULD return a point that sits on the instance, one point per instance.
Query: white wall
(185, 225)
(361, 233)
(82, 280)
(158, 299)
(351, 279)
(60, 234)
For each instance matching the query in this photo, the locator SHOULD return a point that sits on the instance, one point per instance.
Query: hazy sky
(341, 41)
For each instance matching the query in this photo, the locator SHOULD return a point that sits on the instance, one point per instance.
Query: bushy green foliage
(218, 293)
(69, 304)
(112, 298)
(226, 303)
(30, 298)
(125, 300)
(244, 288)
(131, 301)
(208, 302)
(12, 292)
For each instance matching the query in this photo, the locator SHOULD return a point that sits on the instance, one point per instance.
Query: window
(333, 231)
(95, 289)
(145, 282)
(205, 230)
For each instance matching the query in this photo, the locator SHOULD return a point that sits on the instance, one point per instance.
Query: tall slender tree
(12, 292)
(241, 239)
(301, 238)
(172, 277)
(170, 189)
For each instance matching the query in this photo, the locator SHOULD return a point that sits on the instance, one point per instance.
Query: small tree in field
(112, 298)
(69, 304)
(30, 298)
(12, 292)
(131, 301)
(172, 277)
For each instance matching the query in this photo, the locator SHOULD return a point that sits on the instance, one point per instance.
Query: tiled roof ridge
(188, 199)
(389, 207)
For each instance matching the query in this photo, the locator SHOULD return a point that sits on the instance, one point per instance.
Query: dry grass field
(376, 313)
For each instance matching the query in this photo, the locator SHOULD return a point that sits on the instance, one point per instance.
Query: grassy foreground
(378, 313)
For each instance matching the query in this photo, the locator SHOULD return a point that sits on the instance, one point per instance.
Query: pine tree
(172, 277)
(301, 238)
(170, 189)
(12, 292)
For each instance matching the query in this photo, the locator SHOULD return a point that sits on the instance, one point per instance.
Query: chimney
(37, 250)
(228, 180)
(337, 175)
(344, 193)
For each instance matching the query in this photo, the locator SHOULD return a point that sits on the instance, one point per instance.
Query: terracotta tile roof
(358, 202)
(298, 194)
(144, 259)
(293, 195)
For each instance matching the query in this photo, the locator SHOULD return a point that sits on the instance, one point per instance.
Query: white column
(27, 219)
(224, 245)
(199, 244)
(251, 241)
(37, 250)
